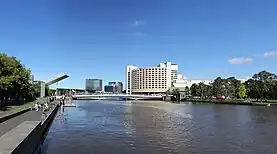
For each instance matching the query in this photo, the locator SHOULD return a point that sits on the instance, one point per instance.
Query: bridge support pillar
(42, 89)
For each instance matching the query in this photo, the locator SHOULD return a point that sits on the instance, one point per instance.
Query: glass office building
(94, 85)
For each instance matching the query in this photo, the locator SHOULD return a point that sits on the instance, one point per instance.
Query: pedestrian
(63, 98)
(36, 107)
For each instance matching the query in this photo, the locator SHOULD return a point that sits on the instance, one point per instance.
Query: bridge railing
(118, 95)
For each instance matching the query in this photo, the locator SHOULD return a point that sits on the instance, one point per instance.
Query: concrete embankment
(230, 103)
(26, 137)
(48, 120)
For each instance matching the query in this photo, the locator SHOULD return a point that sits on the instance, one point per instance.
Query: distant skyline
(99, 38)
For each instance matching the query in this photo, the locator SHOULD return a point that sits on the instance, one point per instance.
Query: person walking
(63, 99)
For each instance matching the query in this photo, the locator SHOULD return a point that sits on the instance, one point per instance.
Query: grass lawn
(272, 101)
(234, 100)
(214, 100)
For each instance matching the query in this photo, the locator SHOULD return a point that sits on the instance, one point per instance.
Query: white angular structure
(56, 79)
(183, 83)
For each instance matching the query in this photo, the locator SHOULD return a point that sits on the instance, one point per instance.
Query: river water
(110, 127)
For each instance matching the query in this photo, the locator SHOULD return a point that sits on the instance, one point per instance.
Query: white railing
(117, 95)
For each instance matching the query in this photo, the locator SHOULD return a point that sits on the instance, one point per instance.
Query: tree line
(15, 85)
(261, 86)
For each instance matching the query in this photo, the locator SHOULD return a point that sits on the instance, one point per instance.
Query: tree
(218, 87)
(204, 90)
(37, 90)
(168, 92)
(207, 91)
(232, 86)
(272, 91)
(252, 88)
(242, 92)
(263, 80)
(14, 80)
(187, 91)
(176, 93)
(226, 87)
(195, 90)
(201, 87)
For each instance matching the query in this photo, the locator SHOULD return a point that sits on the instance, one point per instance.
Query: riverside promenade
(23, 132)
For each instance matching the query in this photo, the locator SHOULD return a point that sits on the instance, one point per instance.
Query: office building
(173, 69)
(111, 83)
(109, 88)
(114, 87)
(94, 85)
(156, 79)
(119, 87)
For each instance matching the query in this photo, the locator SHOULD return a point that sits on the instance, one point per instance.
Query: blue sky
(98, 38)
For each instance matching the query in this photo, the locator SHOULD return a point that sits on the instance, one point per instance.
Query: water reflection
(158, 127)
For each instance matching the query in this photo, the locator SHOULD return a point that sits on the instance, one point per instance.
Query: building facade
(109, 88)
(129, 78)
(119, 87)
(183, 83)
(94, 85)
(114, 87)
(173, 69)
(156, 79)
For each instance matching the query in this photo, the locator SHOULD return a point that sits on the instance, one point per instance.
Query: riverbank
(233, 102)
(26, 129)
(16, 109)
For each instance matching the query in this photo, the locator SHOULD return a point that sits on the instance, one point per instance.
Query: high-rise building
(151, 79)
(94, 85)
(111, 83)
(129, 78)
(173, 68)
(110, 88)
(119, 87)
(31, 79)
(114, 87)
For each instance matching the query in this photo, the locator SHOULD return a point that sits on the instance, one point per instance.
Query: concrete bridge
(123, 96)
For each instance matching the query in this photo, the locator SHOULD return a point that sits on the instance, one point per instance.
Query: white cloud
(137, 23)
(272, 54)
(240, 60)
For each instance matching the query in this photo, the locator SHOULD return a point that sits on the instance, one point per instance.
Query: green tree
(201, 87)
(168, 92)
(187, 91)
(195, 90)
(252, 88)
(263, 80)
(218, 87)
(37, 90)
(242, 92)
(232, 85)
(14, 80)
(176, 93)
(272, 91)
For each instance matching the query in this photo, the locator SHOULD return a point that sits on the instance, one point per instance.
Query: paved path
(12, 123)
(2, 113)
(31, 115)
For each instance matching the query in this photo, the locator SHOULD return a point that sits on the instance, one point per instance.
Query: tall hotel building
(151, 79)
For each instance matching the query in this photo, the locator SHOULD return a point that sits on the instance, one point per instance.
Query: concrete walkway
(12, 123)
(31, 115)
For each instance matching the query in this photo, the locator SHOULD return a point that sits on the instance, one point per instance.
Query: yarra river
(149, 127)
